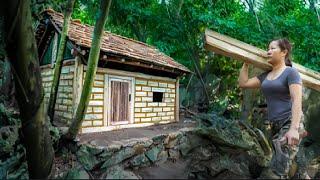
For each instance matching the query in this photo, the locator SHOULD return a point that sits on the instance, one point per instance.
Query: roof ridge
(50, 10)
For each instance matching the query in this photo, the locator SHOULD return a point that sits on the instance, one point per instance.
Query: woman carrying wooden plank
(282, 87)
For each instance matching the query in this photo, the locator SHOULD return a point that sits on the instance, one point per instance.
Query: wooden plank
(106, 101)
(125, 98)
(237, 43)
(306, 71)
(119, 101)
(177, 108)
(65, 63)
(258, 51)
(238, 50)
(75, 84)
(78, 84)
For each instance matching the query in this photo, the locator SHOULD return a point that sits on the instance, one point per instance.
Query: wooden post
(77, 82)
(177, 108)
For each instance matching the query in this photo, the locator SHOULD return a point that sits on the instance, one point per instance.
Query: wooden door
(119, 102)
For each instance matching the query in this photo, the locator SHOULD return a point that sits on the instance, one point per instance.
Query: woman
(282, 87)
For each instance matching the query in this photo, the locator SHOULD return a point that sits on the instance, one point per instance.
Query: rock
(186, 130)
(174, 154)
(94, 150)
(77, 173)
(115, 146)
(119, 156)
(15, 166)
(162, 157)
(139, 161)
(170, 143)
(86, 157)
(229, 133)
(311, 107)
(205, 153)
(139, 149)
(153, 153)
(220, 166)
(224, 162)
(8, 138)
(104, 155)
(189, 142)
(159, 138)
(172, 139)
(117, 172)
(145, 142)
(21, 172)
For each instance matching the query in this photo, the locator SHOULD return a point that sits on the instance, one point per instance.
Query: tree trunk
(314, 8)
(251, 4)
(92, 68)
(22, 53)
(58, 64)
(179, 8)
(247, 101)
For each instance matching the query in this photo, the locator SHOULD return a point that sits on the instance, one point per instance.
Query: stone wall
(137, 152)
(148, 111)
(64, 102)
(204, 158)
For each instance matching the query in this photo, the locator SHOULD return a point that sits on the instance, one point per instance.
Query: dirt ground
(105, 138)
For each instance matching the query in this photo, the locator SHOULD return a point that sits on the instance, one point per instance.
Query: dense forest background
(177, 27)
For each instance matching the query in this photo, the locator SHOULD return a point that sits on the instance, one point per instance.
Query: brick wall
(63, 107)
(145, 109)
(95, 110)
(148, 111)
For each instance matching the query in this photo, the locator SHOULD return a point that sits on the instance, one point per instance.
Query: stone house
(135, 85)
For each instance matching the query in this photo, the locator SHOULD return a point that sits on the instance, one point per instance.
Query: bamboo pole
(58, 64)
(233, 48)
(91, 71)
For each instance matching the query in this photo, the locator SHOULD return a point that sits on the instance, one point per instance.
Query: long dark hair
(284, 44)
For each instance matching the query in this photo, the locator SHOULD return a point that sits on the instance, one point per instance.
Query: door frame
(107, 98)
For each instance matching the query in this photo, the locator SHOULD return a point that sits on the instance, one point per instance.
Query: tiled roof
(81, 34)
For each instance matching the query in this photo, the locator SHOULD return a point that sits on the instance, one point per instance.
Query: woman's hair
(284, 44)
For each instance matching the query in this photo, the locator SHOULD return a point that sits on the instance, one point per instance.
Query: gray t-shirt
(277, 93)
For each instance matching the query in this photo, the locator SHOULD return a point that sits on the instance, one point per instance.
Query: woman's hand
(244, 81)
(292, 136)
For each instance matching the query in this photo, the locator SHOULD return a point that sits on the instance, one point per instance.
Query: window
(157, 96)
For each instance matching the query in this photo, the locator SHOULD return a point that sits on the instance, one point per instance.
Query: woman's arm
(244, 81)
(296, 96)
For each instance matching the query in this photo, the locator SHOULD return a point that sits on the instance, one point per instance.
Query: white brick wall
(63, 107)
(147, 110)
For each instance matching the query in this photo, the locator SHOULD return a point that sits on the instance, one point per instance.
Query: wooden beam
(65, 63)
(236, 49)
(137, 63)
(131, 74)
(79, 82)
(177, 103)
(257, 51)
